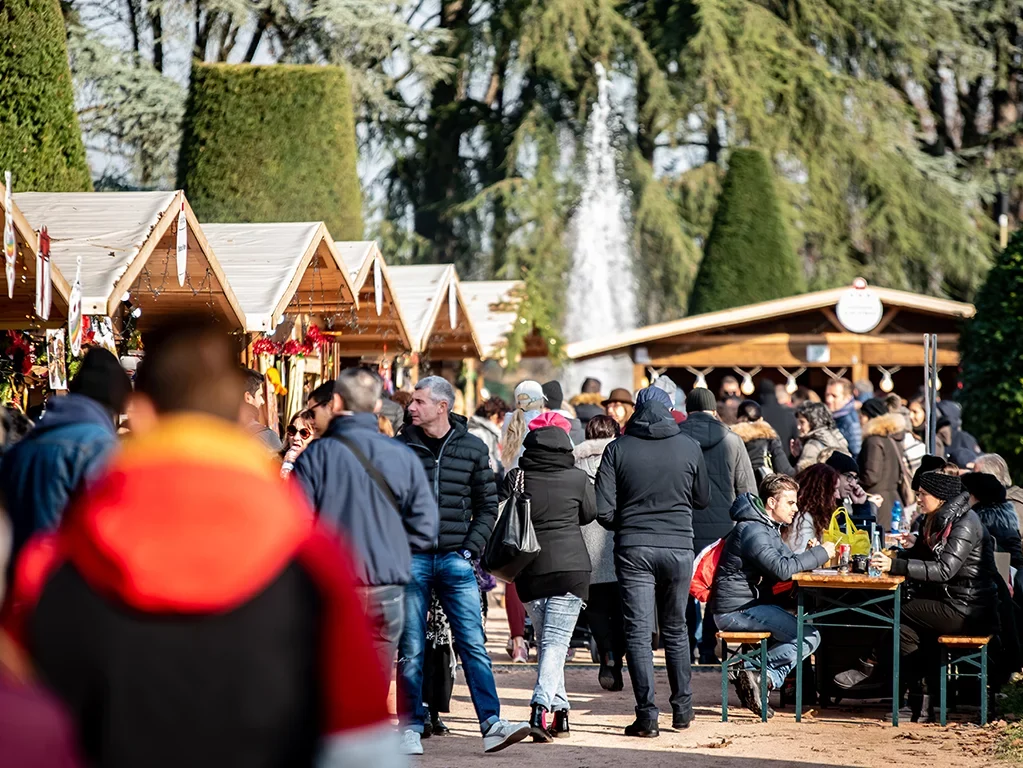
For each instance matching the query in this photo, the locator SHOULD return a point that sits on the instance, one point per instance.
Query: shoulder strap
(372, 471)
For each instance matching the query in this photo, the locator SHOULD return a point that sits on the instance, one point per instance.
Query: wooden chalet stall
(126, 242)
(444, 340)
(858, 332)
(19, 313)
(289, 279)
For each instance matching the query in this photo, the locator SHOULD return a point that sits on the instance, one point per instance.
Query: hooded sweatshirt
(188, 612)
(650, 481)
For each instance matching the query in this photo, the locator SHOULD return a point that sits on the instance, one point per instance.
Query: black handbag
(513, 543)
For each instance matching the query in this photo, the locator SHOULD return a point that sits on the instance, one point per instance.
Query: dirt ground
(846, 736)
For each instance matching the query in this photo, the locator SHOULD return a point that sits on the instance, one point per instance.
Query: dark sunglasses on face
(303, 433)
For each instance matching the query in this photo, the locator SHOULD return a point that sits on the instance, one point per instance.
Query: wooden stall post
(471, 364)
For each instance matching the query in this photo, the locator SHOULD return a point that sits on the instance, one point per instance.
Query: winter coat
(1015, 494)
(577, 431)
(650, 481)
(782, 418)
(71, 444)
(490, 434)
(818, 441)
(561, 501)
(1001, 522)
(754, 559)
(463, 485)
(847, 420)
(881, 462)
(766, 451)
(351, 503)
(587, 405)
(962, 448)
(729, 470)
(958, 568)
(599, 542)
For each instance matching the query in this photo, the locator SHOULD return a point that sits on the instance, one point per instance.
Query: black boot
(616, 674)
(437, 725)
(559, 726)
(606, 676)
(538, 725)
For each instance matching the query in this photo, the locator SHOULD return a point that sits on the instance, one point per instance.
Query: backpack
(704, 568)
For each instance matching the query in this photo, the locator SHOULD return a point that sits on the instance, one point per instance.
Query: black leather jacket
(954, 562)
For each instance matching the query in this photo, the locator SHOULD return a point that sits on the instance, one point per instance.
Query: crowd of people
(180, 598)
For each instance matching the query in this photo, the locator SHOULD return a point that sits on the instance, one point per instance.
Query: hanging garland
(314, 340)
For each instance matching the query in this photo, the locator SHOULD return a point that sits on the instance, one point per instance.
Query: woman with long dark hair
(818, 499)
(817, 435)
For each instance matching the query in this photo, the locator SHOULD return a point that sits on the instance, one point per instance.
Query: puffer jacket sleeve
(780, 458)
(742, 469)
(773, 559)
(484, 505)
(607, 489)
(967, 532)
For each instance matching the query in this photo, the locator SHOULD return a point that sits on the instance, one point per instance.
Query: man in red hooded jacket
(188, 611)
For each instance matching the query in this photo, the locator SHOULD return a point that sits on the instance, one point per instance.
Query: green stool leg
(724, 683)
(983, 685)
(763, 681)
(944, 686)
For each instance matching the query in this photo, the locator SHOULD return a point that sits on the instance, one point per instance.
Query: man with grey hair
(373, 491)
(458, 467)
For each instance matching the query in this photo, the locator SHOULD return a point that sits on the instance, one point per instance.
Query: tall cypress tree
(748, 257)
(273, 143)
(39, 138)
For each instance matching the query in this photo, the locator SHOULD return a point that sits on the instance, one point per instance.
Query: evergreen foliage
(271, 143)
(39, 138)
(991, 353)
(749, 256)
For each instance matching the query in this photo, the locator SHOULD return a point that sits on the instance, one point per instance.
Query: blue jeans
(554, 621)
(781, 648)
(453, 580)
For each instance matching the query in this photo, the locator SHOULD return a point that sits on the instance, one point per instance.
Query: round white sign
(859, 309)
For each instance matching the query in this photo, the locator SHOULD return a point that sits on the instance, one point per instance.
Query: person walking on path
(753, 560)
(620, 406)
(458, 468)
(486, 425)
(72, 443)
(254, 401)
(190, 611)
(588, 403)
(766, 451)
(818, 435)
(840, 401)
(782, 418)
(555, 584)
(881, 464)
(603, 610)
(371, 490)
(730, 474)
(530, 402)
(320, 407)
(648, 484)
(555, 402)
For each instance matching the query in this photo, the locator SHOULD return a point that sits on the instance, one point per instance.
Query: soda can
(844, 556)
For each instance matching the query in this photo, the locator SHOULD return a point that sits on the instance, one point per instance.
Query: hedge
(271, 143)
(748, 257)
(40, 142)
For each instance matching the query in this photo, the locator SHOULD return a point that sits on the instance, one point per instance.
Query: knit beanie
(555, 397)
(941, 486)
(928, 463)
(842, 463)
(874, 407)
(654, 394)
(701, 399)
(550, 419)
(985, 487)
(101, 378)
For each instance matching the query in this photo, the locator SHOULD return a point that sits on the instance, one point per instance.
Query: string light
(790, 379)
(887, 385)
(747, 387)
(701, 376)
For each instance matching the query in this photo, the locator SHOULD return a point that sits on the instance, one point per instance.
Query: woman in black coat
(951, 574)
(765, 449)
(555, 584)
(880, 458)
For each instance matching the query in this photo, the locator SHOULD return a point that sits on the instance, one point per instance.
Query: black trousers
(923, 621)
(655, 582)
(604, 617)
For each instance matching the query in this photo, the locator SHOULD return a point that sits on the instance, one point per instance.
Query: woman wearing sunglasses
(299, 435)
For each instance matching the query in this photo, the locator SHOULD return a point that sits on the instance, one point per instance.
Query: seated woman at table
(951, 577)
(753, 560)
(818, 498)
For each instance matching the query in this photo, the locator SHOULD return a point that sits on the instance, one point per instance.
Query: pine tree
(39, 138)
(274, 143)
(749, 256)
(991, 353)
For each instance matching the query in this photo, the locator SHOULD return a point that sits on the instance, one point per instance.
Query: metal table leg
(896, 625)
(800, 611)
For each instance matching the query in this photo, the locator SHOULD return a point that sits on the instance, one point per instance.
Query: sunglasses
(303, 433)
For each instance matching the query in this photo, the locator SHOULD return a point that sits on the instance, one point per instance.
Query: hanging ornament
(452, 302)
(887, 385)
(44, 277)
(790, 379)
(181, 248)
(747, 387)
(10, 243)
(378, 286)
(74, 314)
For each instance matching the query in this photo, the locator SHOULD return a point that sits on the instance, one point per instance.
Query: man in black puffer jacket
(457, 466)
(753, 560)
(648, 484)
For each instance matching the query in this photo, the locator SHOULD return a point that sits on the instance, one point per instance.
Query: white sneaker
(503, 734)
(411, 743)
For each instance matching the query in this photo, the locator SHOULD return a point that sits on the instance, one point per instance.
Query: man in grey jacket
(731, 474)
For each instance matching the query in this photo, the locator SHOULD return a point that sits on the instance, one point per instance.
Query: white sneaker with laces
(503, 734)
(411, 743)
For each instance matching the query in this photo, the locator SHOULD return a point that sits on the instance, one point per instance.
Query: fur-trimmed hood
(587, 398)
(754, 430)
(889, 425)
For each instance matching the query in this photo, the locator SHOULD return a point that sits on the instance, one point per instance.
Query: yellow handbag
(858, 541)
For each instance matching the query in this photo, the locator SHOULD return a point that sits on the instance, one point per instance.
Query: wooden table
(846, 589)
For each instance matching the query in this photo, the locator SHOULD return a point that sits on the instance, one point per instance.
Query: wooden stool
(978, 660)
(746, 650)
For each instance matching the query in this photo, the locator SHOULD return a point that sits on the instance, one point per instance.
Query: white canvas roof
(493, 306)
(422, 290)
